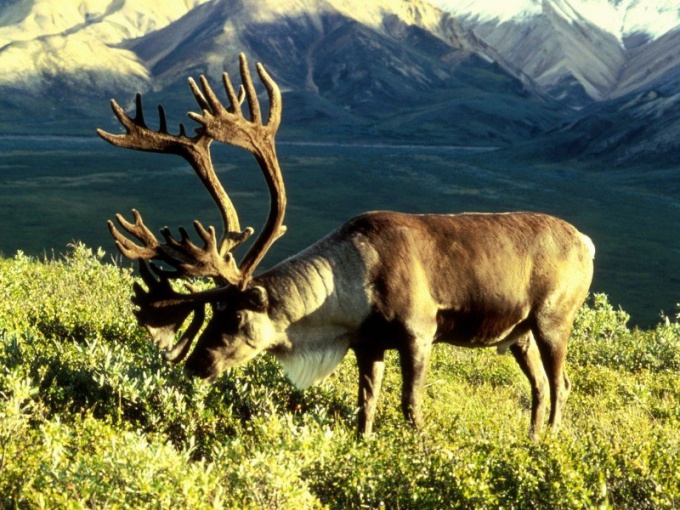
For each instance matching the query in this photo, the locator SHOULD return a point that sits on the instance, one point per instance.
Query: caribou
(383, 280)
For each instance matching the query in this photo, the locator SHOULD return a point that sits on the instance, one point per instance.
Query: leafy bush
(601, 337)
(75, 298)
(91, 416)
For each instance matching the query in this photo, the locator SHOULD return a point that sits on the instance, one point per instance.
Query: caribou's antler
(161, 309)
(216, 259)
(226, 125)
(188, 259)
(230, 126)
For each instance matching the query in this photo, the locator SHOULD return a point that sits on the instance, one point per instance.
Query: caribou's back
(478, 274)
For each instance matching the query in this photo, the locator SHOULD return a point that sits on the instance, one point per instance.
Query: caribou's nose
(193, 368)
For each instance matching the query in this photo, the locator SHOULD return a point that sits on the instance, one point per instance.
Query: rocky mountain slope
(581, 50)
(45, 43)
(616, 62)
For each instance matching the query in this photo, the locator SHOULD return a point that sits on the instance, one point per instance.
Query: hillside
(46, 45)
(641, 130)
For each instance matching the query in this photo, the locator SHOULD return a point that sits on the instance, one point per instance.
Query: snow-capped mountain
(621, 18)
(618, 61)
(355, 67)
(44, 39)
(580, 50)
(451, 71)
(289, 31)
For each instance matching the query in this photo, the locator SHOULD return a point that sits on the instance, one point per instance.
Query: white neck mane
(307, 368)
(323, 300)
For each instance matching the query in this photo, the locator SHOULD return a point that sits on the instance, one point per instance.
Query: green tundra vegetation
(92, 416)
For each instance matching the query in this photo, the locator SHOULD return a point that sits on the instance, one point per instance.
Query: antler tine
(138, 136)
(235, 101)
(251, 94)
(275, 101)
(163, 127)
(139, 111)
(149, 250)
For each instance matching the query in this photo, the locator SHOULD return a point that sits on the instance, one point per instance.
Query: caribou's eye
(240, 318)
(234, 322)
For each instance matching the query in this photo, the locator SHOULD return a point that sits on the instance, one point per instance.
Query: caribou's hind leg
(551, 340)
(528, 357)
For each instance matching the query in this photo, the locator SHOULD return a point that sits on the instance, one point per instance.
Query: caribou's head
(239, 327)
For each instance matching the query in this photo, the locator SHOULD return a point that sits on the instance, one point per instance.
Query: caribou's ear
(257, 298)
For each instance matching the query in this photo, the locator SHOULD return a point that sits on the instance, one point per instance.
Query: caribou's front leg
(371, 369)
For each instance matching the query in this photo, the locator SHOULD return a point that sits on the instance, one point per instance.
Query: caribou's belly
(480, 330)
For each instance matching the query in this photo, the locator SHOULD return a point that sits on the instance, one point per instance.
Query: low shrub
(91, 416)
